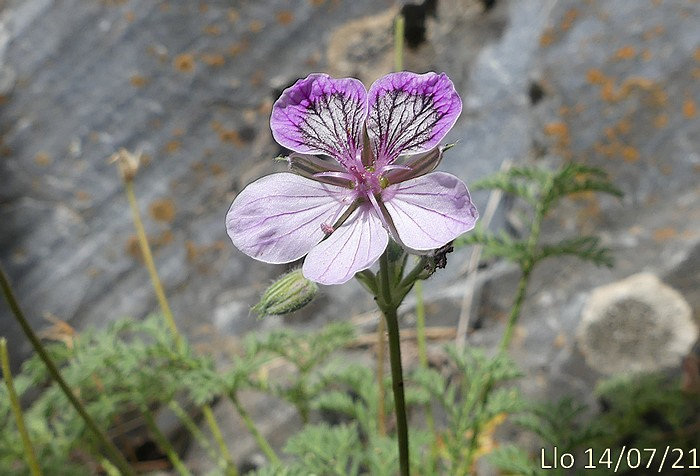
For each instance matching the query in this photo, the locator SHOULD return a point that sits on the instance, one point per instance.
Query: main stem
(388, 307)
(115, 456)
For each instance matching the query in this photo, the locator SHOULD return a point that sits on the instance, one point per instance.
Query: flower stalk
(115, 456)
(128, 166)
(17, 410)
(389, 307)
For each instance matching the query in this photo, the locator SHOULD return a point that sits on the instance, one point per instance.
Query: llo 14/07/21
(623, 459)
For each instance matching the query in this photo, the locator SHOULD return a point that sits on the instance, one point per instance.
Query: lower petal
(430, 211)
(278, 218)
(353, 247)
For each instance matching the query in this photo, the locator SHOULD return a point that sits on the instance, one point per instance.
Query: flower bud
(289, 293)
(127, 162)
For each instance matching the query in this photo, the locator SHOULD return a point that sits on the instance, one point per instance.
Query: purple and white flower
(361, 170)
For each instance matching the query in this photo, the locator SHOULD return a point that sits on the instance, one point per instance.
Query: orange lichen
(630, 154)
(178, 132)
(163, 210)
(285, 17)
(82, 195)
(547, 37)
(43, 159)
(568, 20)
(626, 52)
(690, 109)
(231, 136)
(212, 30)
(646, 54)
(664, 234)
(184, 62)
(257, 78)
(237, 48)
(661, 121)
(559, 130)
(624, 126)
(172, 146)
(317, 3)
(696, 54)
(607, 91)
(216, 170)
(129, 16)
(233, 15)
(256, 26)
(138, 81)
(215, 60)
(654, 32)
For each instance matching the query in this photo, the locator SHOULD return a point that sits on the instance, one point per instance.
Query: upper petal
(355, 246)
(277, 219)
(321, 115)
(430, 211)
(410, 113)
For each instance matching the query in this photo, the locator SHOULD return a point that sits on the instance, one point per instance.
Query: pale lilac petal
(321, 115)
(430, 211)
(410, 113)
(278, 218)
(355, 246)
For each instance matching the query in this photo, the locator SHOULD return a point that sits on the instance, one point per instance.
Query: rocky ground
(190, 84)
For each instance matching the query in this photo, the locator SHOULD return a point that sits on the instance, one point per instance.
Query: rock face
(190, 84)
(636, 325)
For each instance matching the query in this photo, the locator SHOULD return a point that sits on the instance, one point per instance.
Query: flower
(361, 170)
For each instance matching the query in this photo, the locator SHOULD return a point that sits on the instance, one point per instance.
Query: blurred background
(190, 85)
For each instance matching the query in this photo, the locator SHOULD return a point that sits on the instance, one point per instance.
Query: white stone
(637, 324)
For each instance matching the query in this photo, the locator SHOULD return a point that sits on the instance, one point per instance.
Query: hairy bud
(289, 293)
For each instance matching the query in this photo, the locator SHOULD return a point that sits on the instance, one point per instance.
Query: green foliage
(471, 399)
(306, 352)
(647, 412)
(513, 460)
(542, 189)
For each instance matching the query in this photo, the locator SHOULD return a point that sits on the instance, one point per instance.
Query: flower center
(367, 181)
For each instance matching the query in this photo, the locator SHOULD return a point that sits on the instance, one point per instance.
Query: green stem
(381, 345)
(515, 311)
(165, 306)
(164, 444)
(389, 308)
(116, 457)
(148, 260)
(201, 439)
(253, 429)
(526, 267)
(398, 42)
(231, 469)
(17, 410)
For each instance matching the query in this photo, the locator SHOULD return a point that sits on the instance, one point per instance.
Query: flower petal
(410, 113)
(278, 218)
(321, 115)
(430, 211)
(355, 246)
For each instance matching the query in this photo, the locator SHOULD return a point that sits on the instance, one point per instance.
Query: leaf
(586, 248)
